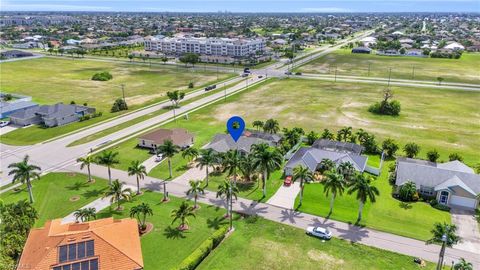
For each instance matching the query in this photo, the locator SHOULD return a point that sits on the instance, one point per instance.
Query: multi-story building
(231, 47)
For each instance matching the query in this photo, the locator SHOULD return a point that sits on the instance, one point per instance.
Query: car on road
(4, 123)
(288, 73)
(260, 76)
(288, 181)
(158, 158)
(245, 75)
(319, 232)
(298, 73)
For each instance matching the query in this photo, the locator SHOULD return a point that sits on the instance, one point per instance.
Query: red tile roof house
(104, 244)
(178, 136)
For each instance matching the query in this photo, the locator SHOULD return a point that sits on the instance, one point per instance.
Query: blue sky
(244, 5)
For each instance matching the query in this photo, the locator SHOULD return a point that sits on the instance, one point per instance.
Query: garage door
(462, 201)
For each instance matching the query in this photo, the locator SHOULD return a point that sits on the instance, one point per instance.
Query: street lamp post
(442, 252)
(389, 76)
(335, 73)
(123, 92)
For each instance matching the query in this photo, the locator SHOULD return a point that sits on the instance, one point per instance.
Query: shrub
(433, 155)
(102, 76)
(436, 205)
(386, 108)
(197, 256)
(119, 105)
(455, 156)
(190, 85)
(407, 192)
(390, 147)
(411, 149)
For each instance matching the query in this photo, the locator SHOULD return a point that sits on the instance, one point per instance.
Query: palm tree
(118, 193)
(109, 159)
(407, 191)
(335, 184)
(168, 149)
(266, 161)
(247, 167)
(207, 159)
(85, 214)
(271, 126)
(140, 212)
(190, 154)
(257, 124)
(25, 172)
(462, 264)
(232, 163)
(445, 235)
(365, 191)
(326, 165)
(347, 170)
(344, 134)
(182, 213)
(195, 189)
(228, 191)
(139, 170)
(85, 162)
(303, 174)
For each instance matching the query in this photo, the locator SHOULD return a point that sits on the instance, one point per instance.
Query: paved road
(369, 237)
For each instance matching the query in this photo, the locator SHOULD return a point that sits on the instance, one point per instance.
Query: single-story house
(338, 152)
(222, 143)
(179, 136)
(94, 245)
(50, 115)
(452, 183)
(9, 107)
(15, 54)
(361, 50)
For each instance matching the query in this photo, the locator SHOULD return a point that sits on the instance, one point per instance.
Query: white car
(159, 158)
(319, 232)
(4, 123)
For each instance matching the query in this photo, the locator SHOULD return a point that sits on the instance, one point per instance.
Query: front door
(444, 197)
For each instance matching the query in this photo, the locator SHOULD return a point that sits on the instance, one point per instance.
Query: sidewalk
(345, 231)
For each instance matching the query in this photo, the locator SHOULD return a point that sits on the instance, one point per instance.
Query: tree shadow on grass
(77, 185)
(182, 168)
(246, 186)
(93, 193)
(216, 222)
(174, 233)
(405, 205)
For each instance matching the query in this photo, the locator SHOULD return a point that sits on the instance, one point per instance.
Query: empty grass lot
(413, 220)
(51, 80)
(53, 193)
(268, 245)
(165, 247)
(466, 69)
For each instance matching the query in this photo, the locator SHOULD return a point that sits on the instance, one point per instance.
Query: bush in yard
(197, 256)
(390, 147)
(439, 206)
(386, 107)
(433, 155)
(102, 76)
(455, 156)
(190, 85)
(411, 150)
(119, 105)
(407, 191)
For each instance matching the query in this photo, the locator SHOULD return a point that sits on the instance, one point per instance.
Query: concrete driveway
(467, 229)
(285, 196)
(5, 130)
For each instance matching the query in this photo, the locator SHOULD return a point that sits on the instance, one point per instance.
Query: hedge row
(197, 256)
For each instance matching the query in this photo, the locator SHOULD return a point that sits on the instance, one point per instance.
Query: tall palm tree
(335, 184)
(85, 162)
(462, 264)
(190, 154)
(232, 163)
(303, 174)
(266, 160)
(365, 191)
(344, 134)
(140, 212)
(247, 167)
(85, 214)
(326, 165)
(207, 159)
(195, 189)
(228, 191)
(109, 159)
(139, 170)
(347, 170)
(182, 213)
(168, 150)
(445, 235)
(257, 124)
(25, 172)
(118, 193)
(271, 126)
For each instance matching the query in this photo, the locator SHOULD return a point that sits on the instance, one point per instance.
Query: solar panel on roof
(85, 265)
(90, 248)
(62, 254)
(67, 267)
(72, 252)
(81, 250)
(76, 266)
(94, 264)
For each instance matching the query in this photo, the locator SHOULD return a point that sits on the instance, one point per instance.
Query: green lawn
(52, 194)
(387, 214)
(165, 247)
(268, 245)
(466, 69)
(65, 80)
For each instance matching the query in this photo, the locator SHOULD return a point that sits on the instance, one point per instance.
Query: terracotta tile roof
(116, 244)
(178, 136)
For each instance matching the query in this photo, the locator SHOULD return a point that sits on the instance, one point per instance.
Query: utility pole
(123, 92)
(369, 64)
(413, 72)
(335, 73)
(389, 76)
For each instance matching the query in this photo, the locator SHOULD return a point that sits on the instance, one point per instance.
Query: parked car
(260, 76)
(159, 158)
(4, 123)
(288, 181)
(246, 70)
(298, 73)
(319, 232)
(245, 75)
(288, 73)
(208, 88)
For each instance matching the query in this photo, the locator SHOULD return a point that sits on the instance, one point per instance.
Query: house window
(428, 191)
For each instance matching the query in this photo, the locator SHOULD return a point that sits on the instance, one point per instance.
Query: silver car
(319, 232)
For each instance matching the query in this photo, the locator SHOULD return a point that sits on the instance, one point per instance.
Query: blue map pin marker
(235, 127)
